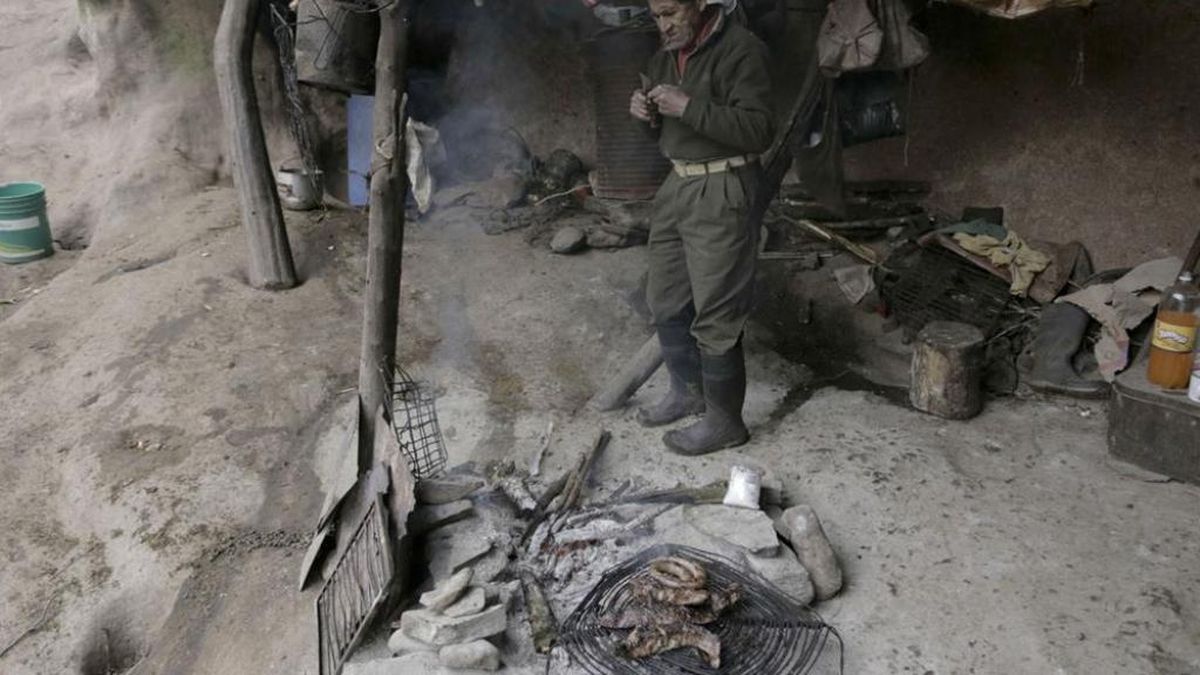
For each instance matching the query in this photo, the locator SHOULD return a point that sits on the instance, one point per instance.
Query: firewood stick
(629, 379)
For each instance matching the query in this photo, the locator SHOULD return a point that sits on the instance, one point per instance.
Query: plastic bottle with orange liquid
(1174, 336)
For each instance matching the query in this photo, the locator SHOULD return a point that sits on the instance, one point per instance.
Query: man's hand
(670, 100)
(639, 107)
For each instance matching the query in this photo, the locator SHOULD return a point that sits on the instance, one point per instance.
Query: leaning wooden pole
(385, 229)
(270, 255)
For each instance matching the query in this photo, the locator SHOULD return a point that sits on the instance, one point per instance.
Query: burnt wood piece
(946, 370)
(271, 265)
(629, 379)
(385, 228)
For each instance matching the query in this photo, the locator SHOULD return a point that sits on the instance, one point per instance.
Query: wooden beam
(385, 229)
(271, 264)
(630, 378)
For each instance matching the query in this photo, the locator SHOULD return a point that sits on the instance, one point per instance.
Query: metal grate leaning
(765, 633)
(355, 591)
(413, 413)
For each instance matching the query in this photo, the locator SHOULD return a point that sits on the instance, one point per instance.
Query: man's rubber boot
(1059, 335)
(682, 358)
(724, 394)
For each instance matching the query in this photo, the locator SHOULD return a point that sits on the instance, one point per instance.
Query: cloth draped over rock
(1121, 306)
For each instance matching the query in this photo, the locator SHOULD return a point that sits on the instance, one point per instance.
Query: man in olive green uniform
(709, 101)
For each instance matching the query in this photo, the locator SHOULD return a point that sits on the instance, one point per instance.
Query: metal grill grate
(412, 409)
(357, 588)
(764, 633)
(926, 284)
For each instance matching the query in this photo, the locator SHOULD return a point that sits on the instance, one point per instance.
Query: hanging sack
(903, 45)
(850, 38)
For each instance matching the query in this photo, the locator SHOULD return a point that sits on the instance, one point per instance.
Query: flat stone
(459, 550)
(448, 592)
(429, 518)
(476, 655)
(438, 491)
(399, 643)
(814, 550)
(568, 240)
(472, 603)
(786, 573)
(437, 629)
(424, 663)
(747, 529)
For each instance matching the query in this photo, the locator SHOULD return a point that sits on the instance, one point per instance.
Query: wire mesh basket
(413, 413)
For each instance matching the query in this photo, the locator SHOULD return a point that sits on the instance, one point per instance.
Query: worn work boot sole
(699, 439)
(671, 409)
(1076, 387)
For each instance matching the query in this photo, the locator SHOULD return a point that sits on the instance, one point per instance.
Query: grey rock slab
(814, 550)
(472, 602)
(438, 629)
(447, 592)
(568, 240)
(416, 663)
(399, 643)
(785, 572)
(476, 655)
(429, 518)
(451, 554)
(438, 491)
(744, 528)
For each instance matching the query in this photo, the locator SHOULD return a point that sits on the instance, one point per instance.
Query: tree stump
(947, 368)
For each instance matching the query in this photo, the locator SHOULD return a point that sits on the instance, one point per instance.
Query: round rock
(568, 240)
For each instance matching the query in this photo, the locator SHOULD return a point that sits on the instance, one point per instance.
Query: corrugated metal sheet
(629, 162)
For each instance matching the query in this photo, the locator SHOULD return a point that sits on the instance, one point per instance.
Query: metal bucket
(335, 45)
(24, 228)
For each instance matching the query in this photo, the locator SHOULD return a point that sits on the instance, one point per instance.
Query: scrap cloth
(1022, 260)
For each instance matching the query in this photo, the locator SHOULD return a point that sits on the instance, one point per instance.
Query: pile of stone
(453, 623)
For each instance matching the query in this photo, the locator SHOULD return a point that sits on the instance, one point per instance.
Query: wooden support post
(271, 264)
(385, 228)
(947, 369)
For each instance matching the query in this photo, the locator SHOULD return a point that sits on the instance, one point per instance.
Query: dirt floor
(165, 427)
(163, 424)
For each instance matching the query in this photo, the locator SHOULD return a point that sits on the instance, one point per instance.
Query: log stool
(947, 368)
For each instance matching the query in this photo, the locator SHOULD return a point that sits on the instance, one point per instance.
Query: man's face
(678, 21)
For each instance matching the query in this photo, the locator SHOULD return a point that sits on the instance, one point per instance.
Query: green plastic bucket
(24, 228)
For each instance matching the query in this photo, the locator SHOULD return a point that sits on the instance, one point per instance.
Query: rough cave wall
(522, 65)
(995, 118)
(1114, 163)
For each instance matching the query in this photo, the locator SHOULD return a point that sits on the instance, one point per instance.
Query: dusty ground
(162, 423)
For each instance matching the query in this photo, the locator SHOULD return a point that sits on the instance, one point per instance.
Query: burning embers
(672, 604)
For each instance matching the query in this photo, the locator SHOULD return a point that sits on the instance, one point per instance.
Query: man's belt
(685, 169)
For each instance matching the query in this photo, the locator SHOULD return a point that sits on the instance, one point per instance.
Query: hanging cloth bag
(903, 45)
(850, 38)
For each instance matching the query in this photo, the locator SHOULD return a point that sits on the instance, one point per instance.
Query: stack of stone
(453, 622)
(789, 547)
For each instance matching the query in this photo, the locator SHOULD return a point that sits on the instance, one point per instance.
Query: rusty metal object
(629, 163)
